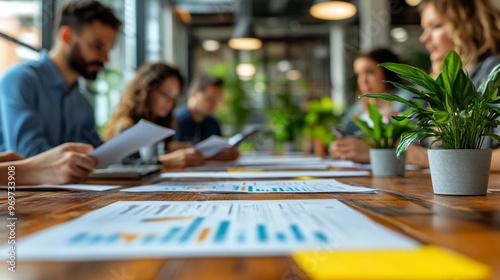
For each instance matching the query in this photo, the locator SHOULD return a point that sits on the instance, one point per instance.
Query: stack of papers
(71, 187)
(264, 175)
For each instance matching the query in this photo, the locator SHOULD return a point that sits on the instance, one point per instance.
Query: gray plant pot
(385, 163)
(460, 172)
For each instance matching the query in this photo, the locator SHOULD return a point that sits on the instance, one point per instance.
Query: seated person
(41, 104)
(195, 121)
(370, 81)
(442, 23)
(67, 163)
(151, 96)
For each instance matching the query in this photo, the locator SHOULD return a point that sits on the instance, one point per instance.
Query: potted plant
(458, 117)
(384, 138)
(318, 124)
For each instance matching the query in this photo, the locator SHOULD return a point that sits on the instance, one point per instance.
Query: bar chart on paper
(288, 186)
(134, 229)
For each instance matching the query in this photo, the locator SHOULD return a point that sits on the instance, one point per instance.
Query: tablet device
(244, 135)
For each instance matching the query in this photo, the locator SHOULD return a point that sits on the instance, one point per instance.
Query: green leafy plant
(458, 116)
(234, 110)
(383, 135)
(320, 119)
(286, 118)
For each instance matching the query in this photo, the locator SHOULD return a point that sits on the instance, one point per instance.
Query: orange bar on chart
(203, 235)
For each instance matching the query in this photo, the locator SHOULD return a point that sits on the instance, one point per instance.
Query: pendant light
(332, 10)
(243, 37)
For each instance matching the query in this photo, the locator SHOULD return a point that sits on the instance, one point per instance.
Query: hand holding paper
(130, 141)
(211, 146)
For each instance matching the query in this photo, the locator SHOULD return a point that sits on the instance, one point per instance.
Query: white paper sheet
(211, 146)
(351, 164)
(265, 160)
(70, 187)
(289, 186)
(145, 229)
(130, 141)
(265, 175)
(312, 166)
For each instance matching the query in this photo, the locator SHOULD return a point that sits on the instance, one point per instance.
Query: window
(21, 20)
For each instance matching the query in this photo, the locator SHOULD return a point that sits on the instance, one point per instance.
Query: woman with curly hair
(472, 29)
(151, 96)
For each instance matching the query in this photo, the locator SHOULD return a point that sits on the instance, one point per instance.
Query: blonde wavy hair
(474, 27)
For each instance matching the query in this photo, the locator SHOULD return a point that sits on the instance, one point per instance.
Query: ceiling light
(243, 37)
(245, 70)
(413, 2)
(284, 65)
(293, 75)
(332, 10)
(399, 34)
(247, 44)
(210, 45)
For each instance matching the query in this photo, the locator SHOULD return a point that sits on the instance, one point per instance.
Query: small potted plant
(458, 118)
(384, 138)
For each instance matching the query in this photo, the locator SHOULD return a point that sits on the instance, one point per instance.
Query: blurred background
(297, 76)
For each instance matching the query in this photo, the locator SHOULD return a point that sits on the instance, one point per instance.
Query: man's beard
(78, 63)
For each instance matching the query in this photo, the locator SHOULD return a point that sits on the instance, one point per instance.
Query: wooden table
(468, 225)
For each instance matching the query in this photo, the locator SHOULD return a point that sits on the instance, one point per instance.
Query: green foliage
(384, 136)
(459, 114)
(109, 83)
(234, 109)
(320, 119)
(286, 121)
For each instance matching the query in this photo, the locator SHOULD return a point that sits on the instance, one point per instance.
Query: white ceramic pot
(460, 172)
(384, 162)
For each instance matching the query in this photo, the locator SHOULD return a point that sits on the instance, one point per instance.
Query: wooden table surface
(469, 225)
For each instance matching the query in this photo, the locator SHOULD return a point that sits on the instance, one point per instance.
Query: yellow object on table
(428, 262)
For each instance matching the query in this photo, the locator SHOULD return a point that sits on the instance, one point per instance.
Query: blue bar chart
(129, 229)
(289, 186)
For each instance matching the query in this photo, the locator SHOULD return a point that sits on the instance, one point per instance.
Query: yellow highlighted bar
(428, 262)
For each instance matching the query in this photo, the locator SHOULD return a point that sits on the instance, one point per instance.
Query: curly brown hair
(474, 27)
(135, 103)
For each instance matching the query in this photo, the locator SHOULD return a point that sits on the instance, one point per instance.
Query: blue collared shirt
(39, 110)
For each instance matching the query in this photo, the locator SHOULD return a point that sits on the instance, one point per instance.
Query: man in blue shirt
(195, 121)
(41, 104)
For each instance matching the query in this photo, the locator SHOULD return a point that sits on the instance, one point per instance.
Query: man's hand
(10, 156)
(226, 154)
(182, 158)
(67, 163)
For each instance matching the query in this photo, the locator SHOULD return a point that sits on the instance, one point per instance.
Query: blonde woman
(472, 29)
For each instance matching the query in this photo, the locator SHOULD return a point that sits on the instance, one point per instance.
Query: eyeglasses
(168, 96)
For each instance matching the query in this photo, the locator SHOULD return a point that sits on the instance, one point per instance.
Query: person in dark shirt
(195, 121)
